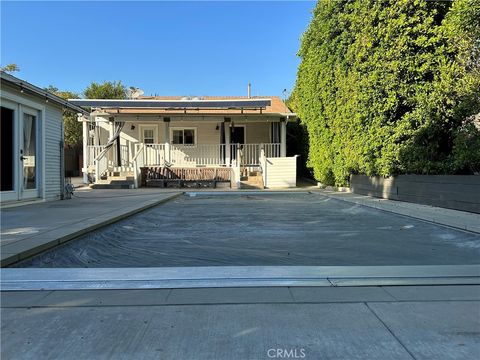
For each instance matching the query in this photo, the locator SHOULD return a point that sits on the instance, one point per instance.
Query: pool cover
(297, 229)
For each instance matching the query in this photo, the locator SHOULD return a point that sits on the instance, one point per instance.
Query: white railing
(93, 151)
(251, 152)
(138, 161)
(154, 154)
(103, 161)
(204, 154)
(124, 155)
(272, 149)
(197, 155)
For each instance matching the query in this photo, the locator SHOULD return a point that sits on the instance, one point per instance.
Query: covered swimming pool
(263, 229)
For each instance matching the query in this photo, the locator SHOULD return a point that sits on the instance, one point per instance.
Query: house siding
(50, 134)
(280, 172)
(256, 131)
(53, 128)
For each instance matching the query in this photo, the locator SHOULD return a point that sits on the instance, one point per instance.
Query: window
(183, 136)
(148, 136)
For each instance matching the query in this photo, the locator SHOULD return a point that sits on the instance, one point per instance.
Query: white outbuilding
(32, 162)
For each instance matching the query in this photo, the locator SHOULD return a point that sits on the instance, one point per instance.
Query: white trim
(194, 128)
(141, 127)
(25, 194)
(20, 105)
(22, 101)
(38, 92)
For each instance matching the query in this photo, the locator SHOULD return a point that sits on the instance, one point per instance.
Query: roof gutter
(35, 90)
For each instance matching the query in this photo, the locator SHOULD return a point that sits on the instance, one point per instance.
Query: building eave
(25, 86)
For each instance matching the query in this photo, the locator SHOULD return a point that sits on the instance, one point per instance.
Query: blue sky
(165, 48)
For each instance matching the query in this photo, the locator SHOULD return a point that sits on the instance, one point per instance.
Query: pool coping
(17, 279)
(57, 236)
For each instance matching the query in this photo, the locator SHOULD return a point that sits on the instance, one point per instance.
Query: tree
(10, 68)
(106, 90)
(387, 87)
(73, 132)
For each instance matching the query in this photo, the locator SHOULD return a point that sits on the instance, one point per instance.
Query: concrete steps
(121, 181)
(252, 181)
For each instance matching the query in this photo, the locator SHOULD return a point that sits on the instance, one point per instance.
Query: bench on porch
(177, 177)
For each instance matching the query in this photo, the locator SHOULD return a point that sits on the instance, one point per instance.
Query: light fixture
(217, 127)
(132, 127)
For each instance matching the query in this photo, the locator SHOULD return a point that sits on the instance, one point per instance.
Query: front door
(237, 139)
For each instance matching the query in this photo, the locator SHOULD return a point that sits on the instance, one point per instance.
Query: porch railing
(103, 162)
(197, 155)
(93, 152)
(184, 155)
(125, 154)
(272, 150)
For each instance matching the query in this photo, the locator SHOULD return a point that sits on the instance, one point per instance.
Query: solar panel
(175, 104)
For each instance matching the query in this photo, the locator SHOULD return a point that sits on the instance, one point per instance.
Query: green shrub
(385, 87)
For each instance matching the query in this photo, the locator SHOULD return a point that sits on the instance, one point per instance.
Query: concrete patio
(401, 322)
(32, 228)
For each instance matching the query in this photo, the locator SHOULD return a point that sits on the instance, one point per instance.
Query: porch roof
(176, 105)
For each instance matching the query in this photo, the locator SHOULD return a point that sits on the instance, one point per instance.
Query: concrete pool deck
(381, 322)
(29, 229)
(441, 216)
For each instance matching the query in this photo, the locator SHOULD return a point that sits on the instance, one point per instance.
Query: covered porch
(125, 140)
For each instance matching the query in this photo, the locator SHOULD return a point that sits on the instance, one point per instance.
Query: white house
(31, 141)
(154, 141)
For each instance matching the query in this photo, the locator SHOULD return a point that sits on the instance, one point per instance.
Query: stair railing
(263, 165)
(101, 163)
(138, 162)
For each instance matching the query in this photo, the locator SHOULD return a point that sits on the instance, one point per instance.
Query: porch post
(227, 141)
(86, 159)
(166, 137)
(283, 137)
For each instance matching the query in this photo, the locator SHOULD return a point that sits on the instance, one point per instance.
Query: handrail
(136, 165)
(142, 146)
(101, 163)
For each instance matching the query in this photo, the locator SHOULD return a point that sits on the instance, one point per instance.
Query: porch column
(283, 137)
(166, 138)
(227, 141)
(86, 159)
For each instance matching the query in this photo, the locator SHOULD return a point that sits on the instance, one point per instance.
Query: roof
(205, 105)
(37, 91)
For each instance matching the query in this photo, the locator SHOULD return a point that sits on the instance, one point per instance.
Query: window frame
(183, 128)
(141, 134)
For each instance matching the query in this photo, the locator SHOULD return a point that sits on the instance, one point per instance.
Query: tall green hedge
(388, 87)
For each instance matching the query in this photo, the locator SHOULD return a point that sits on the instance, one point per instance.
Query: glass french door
(28, 155)
(20, 152)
